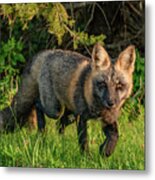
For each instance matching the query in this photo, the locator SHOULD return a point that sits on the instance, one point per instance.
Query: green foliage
(25, 13)
(58, 21)
(10, 57)
(139, 77)
(135, 103)
(32, 149)
(86, 40)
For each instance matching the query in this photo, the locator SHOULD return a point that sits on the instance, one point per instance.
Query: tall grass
(26, 148)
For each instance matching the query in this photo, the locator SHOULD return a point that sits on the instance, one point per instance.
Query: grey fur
(87, 88)
(37, 81)
(58, 70)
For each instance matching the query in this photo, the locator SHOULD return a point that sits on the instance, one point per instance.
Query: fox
(88, 88)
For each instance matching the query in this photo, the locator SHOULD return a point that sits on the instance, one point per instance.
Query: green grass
(26, 148)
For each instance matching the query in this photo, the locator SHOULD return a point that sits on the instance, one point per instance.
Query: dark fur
(87, 88)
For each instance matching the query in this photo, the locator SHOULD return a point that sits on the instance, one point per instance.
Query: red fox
(87, 88)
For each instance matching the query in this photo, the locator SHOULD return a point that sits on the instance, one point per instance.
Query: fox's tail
(24, 100)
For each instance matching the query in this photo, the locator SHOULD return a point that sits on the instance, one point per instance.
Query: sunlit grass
(26, 148)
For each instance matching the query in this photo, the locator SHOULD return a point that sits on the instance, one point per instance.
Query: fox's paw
(107, 148)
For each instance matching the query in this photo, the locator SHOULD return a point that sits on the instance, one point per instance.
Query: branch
(105, 17)
(91, 17)
(76, 5)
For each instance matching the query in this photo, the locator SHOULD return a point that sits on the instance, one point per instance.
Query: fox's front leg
(111, 133)
(40, 115)
(82, 133)
(64, 121)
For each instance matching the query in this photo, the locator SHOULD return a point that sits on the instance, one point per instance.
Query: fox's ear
(126, 59)
(100, 58)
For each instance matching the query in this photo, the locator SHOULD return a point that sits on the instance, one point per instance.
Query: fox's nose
(110, 103)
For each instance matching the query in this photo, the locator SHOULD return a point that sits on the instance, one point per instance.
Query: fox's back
(62, 69)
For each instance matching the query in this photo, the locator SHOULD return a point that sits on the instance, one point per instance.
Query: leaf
(58, 20)
(84, 39)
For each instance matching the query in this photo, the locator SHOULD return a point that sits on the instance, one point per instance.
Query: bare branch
(105, 17)
(91, 17)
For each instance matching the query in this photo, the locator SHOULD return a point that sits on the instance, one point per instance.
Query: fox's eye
(101, 84)
(119, 86)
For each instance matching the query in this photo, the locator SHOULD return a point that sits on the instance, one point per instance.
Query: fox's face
(112, 83)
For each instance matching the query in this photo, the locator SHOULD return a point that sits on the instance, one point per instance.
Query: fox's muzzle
(109, 103)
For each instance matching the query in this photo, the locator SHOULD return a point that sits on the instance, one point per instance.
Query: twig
(124, 42)
(87, 50)
(91, 17)
(134, 9)
(72, 10)
(115, 15)
(125, 20)
(105, 17)
(138, 33)
(69, 44)
(76, 5)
